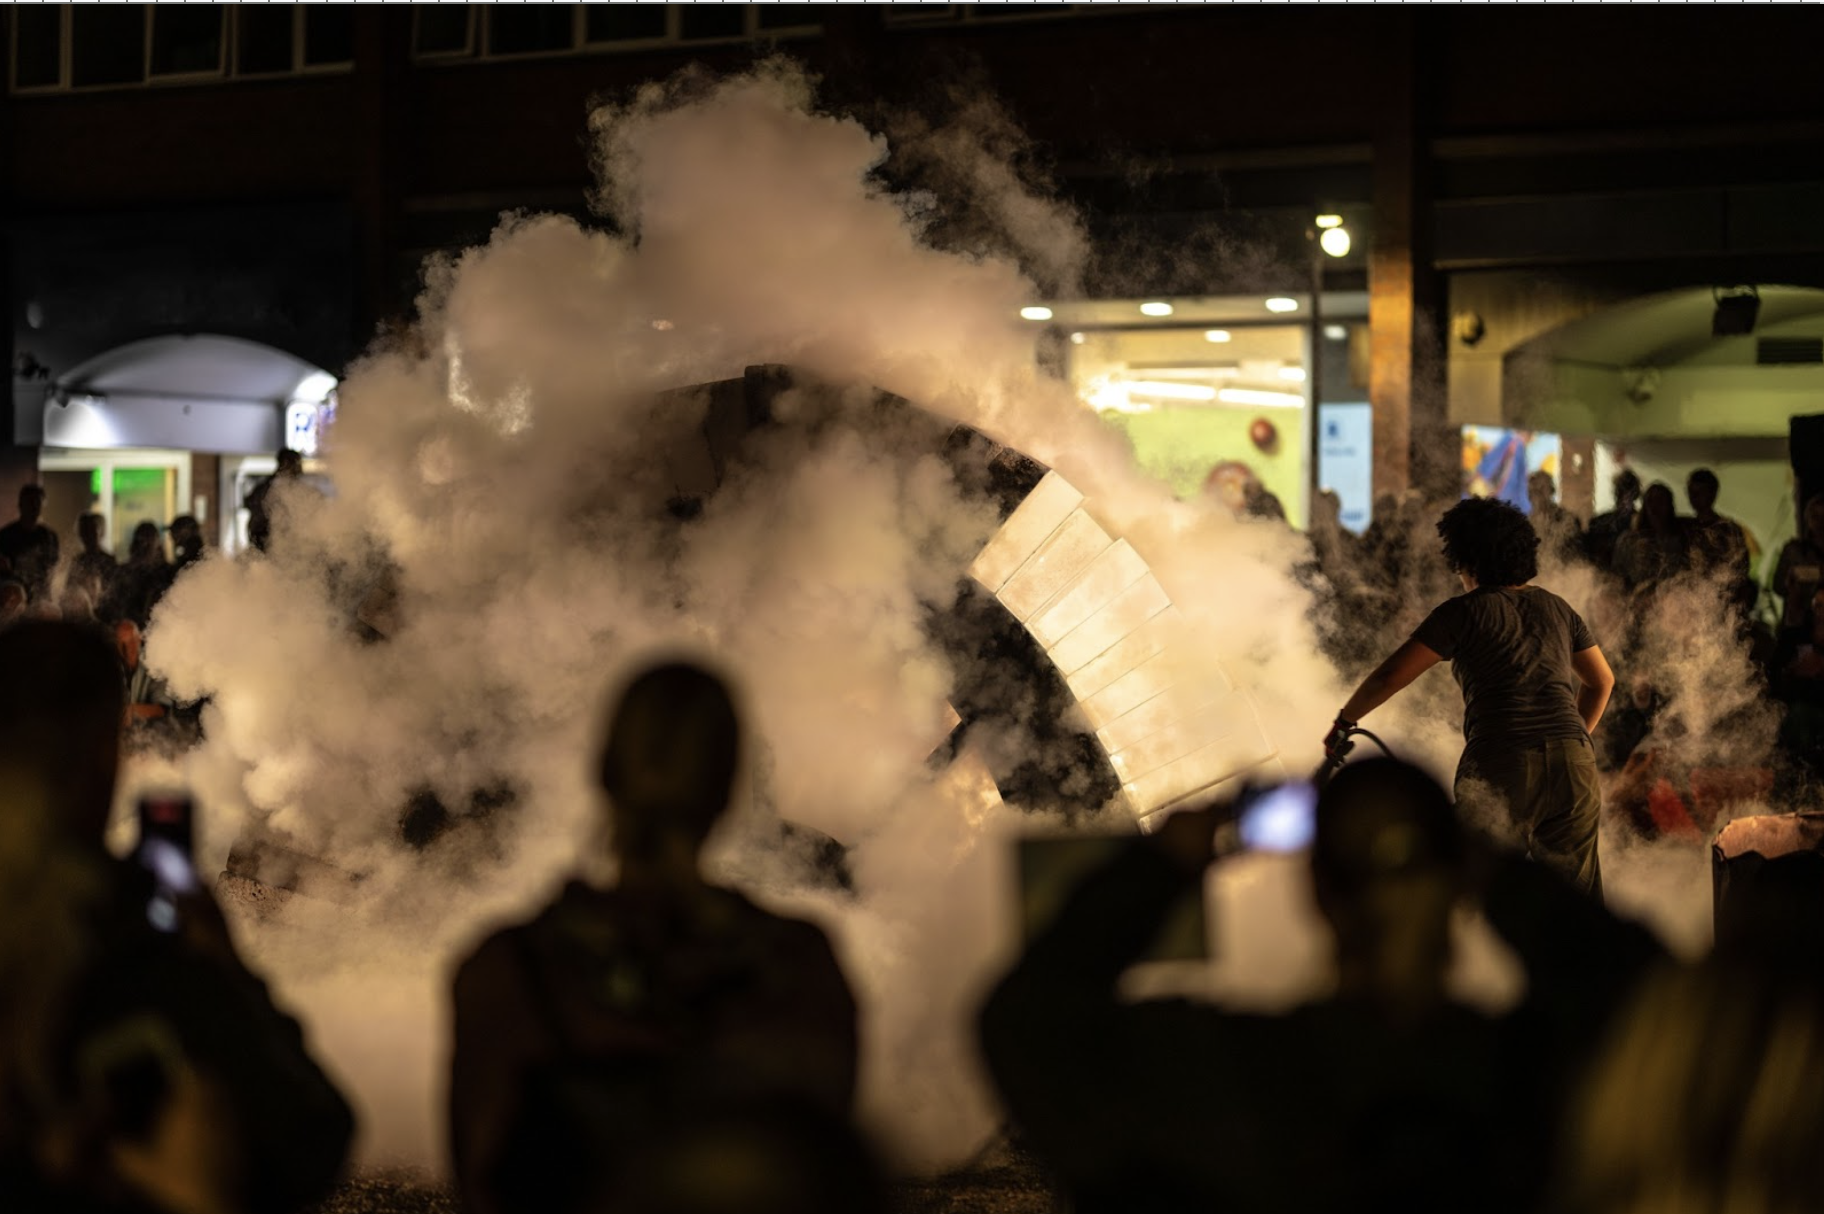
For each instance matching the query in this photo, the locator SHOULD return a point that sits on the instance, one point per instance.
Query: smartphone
(166, 838)
(1278, 818)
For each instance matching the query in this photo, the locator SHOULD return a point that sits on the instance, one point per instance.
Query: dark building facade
(1545, 203)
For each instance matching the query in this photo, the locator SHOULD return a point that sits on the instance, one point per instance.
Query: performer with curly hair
(1534, 686)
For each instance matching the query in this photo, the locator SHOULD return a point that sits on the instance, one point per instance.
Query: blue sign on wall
(1345, 459)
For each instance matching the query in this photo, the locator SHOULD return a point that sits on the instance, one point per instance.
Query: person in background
(261, 504)
(94, 569)
(1718, 545)
(143, 1067)
(1657, 548)
(186, 542)
(1389, 1095)
(1607, 528)
(29, 546)
(1534, 682)
(1559, 531)
(143, 580)
(1799, 572)
(616, 1016)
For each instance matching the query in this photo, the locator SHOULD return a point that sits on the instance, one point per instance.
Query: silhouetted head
(1700, 490)
(1387, 868)
(89, 531)
(1540, 488)
(61, 702)
(291, 463)
(1490, 541)
(31, 503)
(186, 538)
(670, 759)
(1658, 510)
(1627, 489)
(148, 545)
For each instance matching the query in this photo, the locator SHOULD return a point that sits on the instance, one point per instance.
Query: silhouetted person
(156, 1073)
(1560, 534)
(1534, 686)
(1799, 573)
(29, 546)
(1658, 547)
(619, 1013)
(93, 568)
(142, 581)
(260, 502)
(1607, 528)
(1386, 1096)
(1718, 545)
(186, 541)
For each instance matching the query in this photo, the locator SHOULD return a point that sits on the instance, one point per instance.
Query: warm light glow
(1171, 391)
(1279, 303)
(1076, 339)
(1156, 308)
(1336, 332)
(1035, 313)
(662, 325)
(1329, 221)
(1292, 374)
(1216, 335)
(1254, 396)
(1335, 241)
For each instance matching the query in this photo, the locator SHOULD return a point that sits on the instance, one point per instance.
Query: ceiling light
(1076, 339)
(1253, 396)
(1294, 375)
(1035, 313)
(1171, 391)
(1336, 332)
(1329, 221)
(314, 387)
(1279, 303)
(1216, 335)
(1335, 241)
(1156, 308)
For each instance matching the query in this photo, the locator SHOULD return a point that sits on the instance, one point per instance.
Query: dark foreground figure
(626, 1032)
(1388, 1096)
(143, 1068)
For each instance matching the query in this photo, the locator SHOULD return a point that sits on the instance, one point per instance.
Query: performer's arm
(1391, 677)
(1598, 681)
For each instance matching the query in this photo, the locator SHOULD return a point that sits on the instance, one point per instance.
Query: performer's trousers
(1548, 797)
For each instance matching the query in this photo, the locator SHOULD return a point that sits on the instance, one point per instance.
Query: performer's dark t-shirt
(1510, 649)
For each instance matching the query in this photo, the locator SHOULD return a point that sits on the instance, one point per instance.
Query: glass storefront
(126, 487)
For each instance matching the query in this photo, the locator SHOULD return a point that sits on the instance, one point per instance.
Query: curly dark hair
(1491, 541)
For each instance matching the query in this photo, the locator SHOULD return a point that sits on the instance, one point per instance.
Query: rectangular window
(329, 35)
(263, 38)
(623, 22)
(698, 22)
(187, 40)
(37, 46)
(527, 29)
(442, 29)
(107, 44)
(773, 18)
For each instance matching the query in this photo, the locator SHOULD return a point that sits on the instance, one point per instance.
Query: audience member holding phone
(1387, 1095)
(142, 1066)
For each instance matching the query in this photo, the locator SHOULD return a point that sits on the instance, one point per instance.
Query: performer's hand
(1337, 744)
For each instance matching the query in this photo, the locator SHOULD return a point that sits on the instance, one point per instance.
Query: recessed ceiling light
(1217, 335)
(1294, 375)
(1329, 221)
(1076, 339)
(1035, 313)
(1156, 307)
(1336, 332)
(1280, 303)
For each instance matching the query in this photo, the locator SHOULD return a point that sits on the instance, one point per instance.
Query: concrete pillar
(383, 48)
(1412, 445)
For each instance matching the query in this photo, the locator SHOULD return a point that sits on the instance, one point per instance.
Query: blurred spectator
(145, 1067)
(147, 699)
(29, 546)
(619, 1014)
(260, 502)
(1798, 682)
(1656, 548)
(143, 580)
(1800, 570)
(1607, 528)
(14, 598)
(1718, 544)
(1388, 1096)
(1560, 534)
(94, 569)
(186, 542)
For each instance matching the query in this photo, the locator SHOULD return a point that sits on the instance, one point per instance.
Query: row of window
(76, 46)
